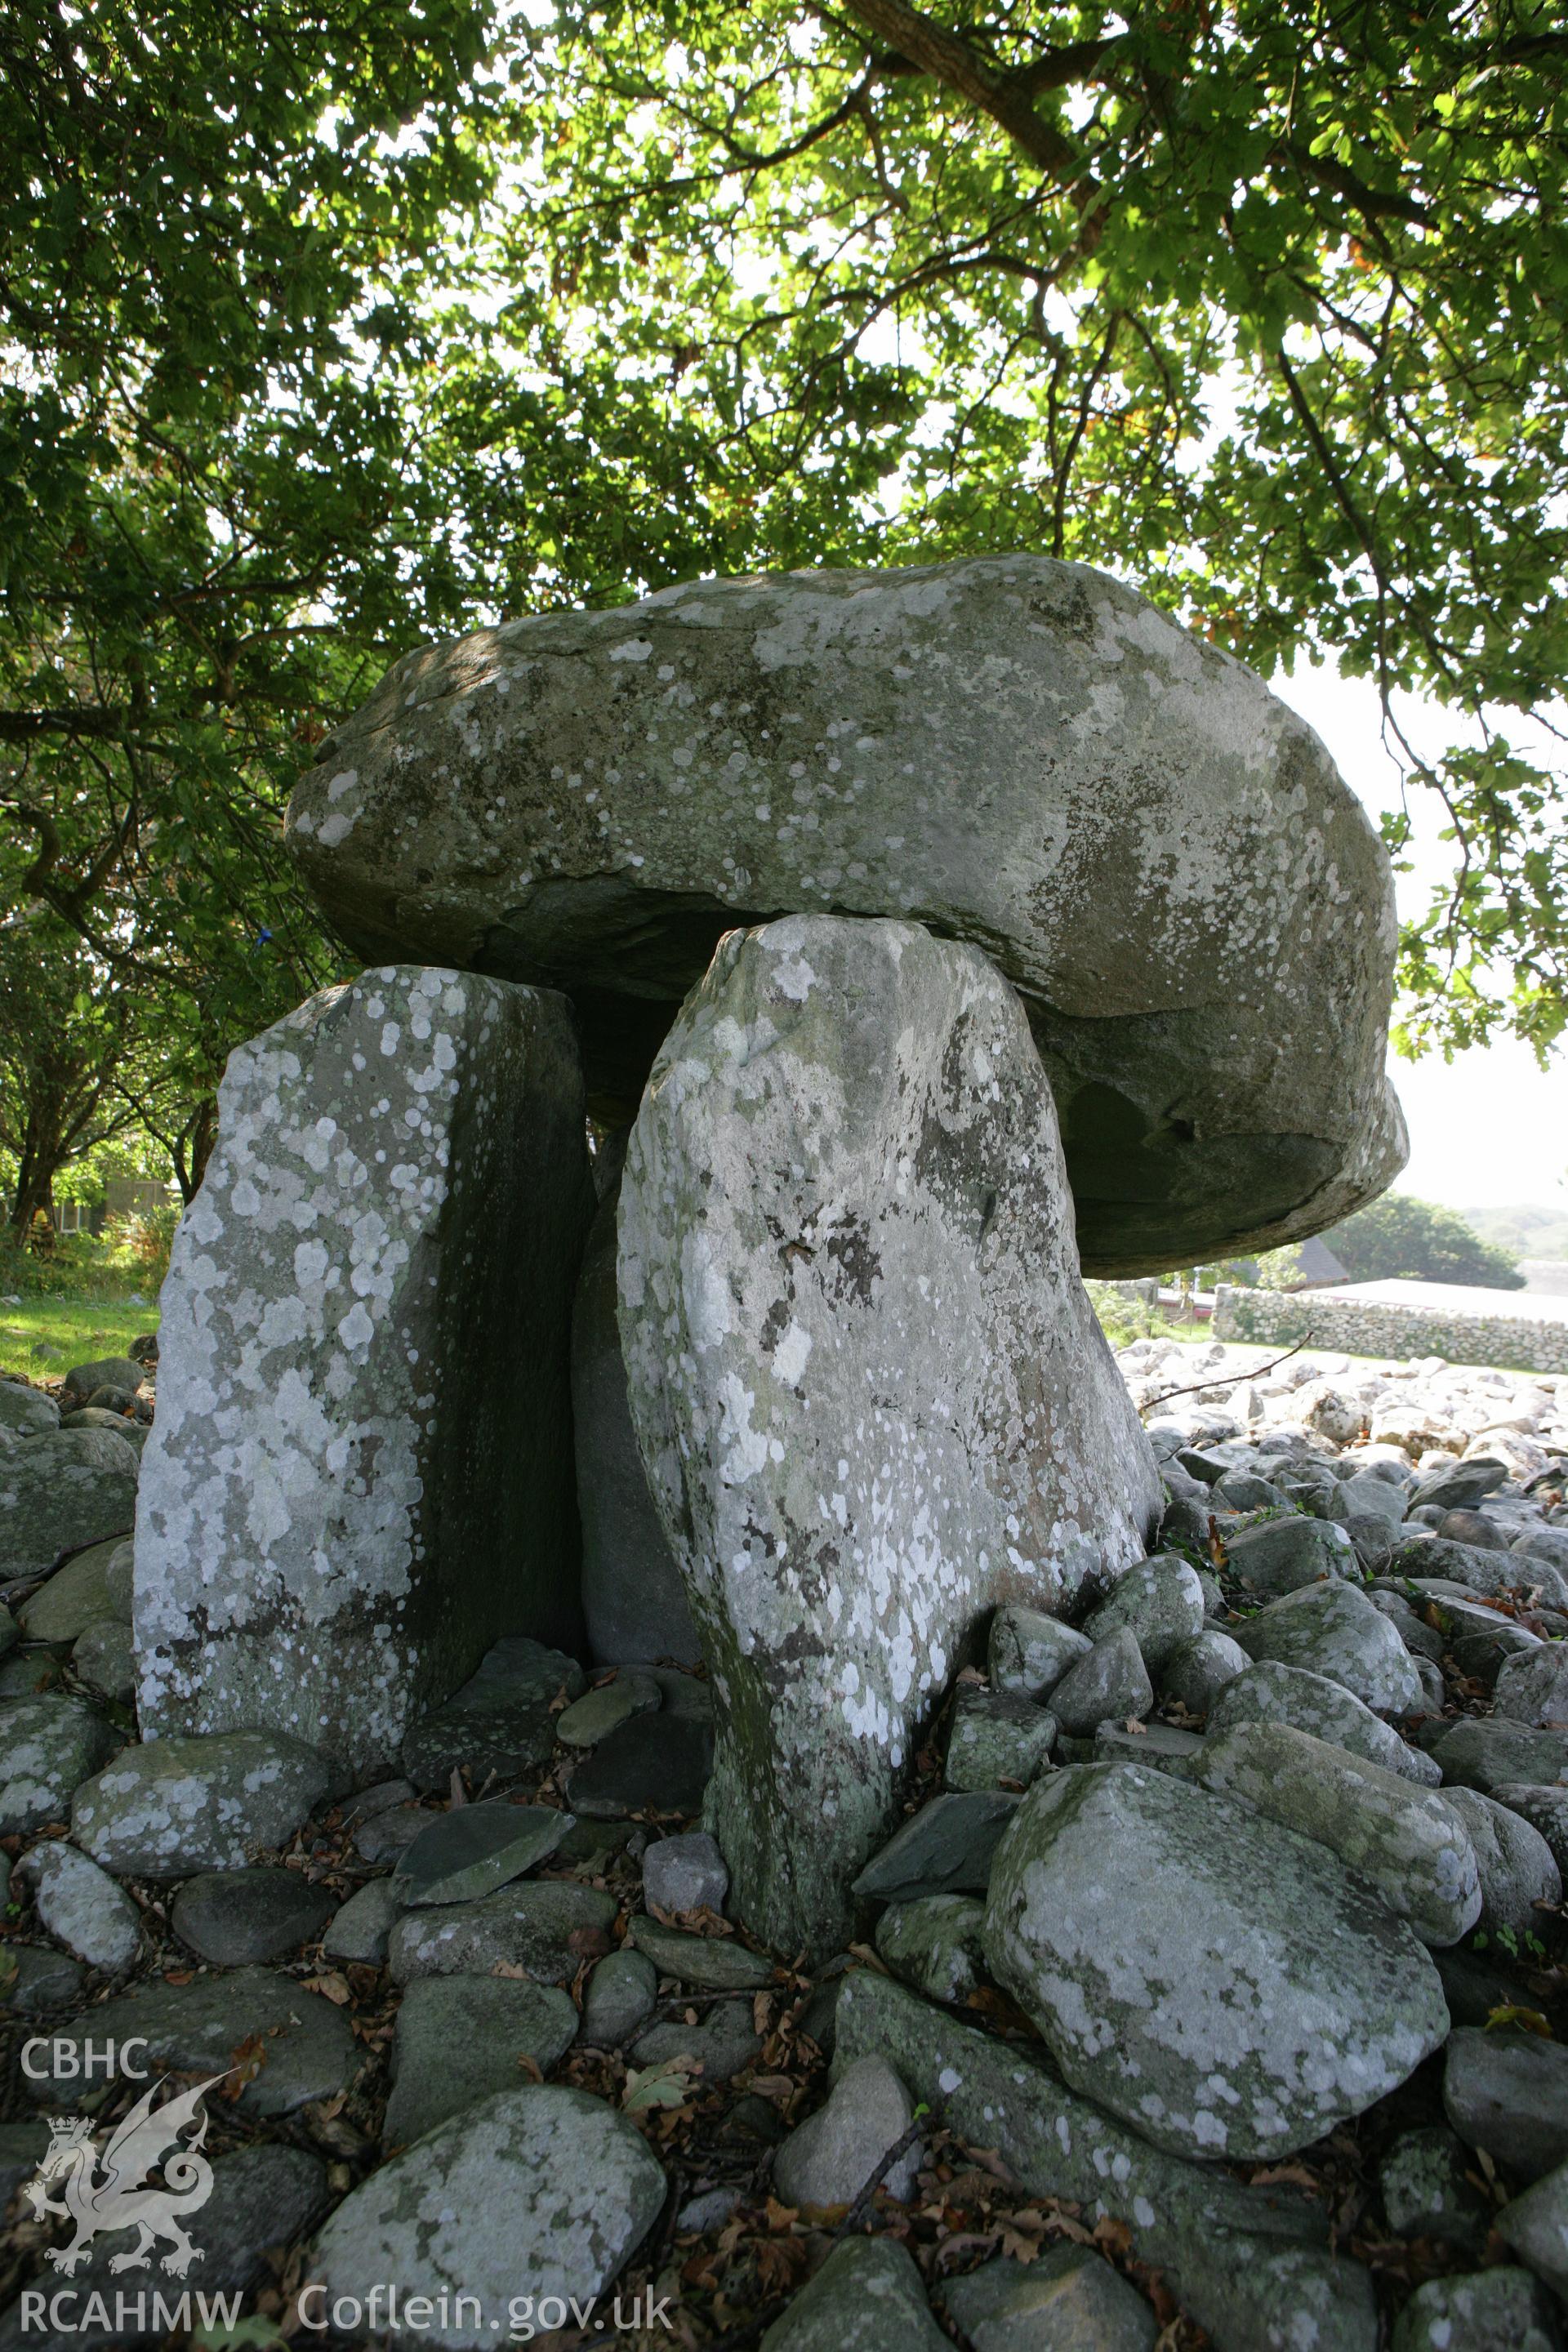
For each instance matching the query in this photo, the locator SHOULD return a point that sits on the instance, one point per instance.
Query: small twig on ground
(1256, 1374)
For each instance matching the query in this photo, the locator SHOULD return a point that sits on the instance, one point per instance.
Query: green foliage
(1400, 1238)
(330, 329)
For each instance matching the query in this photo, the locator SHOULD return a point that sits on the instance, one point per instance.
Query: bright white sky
(1488, 1129)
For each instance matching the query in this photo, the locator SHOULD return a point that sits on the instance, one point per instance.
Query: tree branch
(959, 68)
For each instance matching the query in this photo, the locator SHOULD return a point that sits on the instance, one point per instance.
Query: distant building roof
(1462, 1299)
(1317, 1266)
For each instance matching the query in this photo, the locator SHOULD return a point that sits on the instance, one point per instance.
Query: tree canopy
(326, 329)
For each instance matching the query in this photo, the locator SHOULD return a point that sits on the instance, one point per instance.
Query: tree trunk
(191, 1147)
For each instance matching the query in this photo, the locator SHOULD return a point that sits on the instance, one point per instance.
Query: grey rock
(685, 1873)
(1508, 2093)
(654, 1763)
(360, 1928)
(105, 1656)
(1069, 2300)
(31, 1673)
(59, 1490)
(1028, 1653)
(1428, 2191)
(1475, 1985)
(360, 1474)
(1210, 1976)
(81, 1906)
(1484, 1752)
(542, 2185)
(936, 1943)
(304, 2045)
(899, 1131)
(1501, 2310)
(1283, 1555)
(604, 1709)
(1366, 1495)
(461, 2039)
(499, 1721)
(996, 1736)
(1196, 1671)
(237, 1918)
(189, 1803)
(76, 1596)
(1475, 1528)
(621, 1995)
(470, 1851)
(707, 2211)
(1532, 1687)
(1478, 1570)
(829, 2158)
(1419, 1638)
(1112, 1685)
(1405, 1842)
(633, 1598)
(21, 2147)
(1243, 1490)
(48, 1747)
(1516, 1865)
(1161, 1745)
(1085, 773)
(1544, 1809)
(25, 1412)
(42, 1980)
(387, 1837)
(119, 1582)
(1159, 1602)
(1460, 1485)
(529, 1926)
(866, 2297)
(1535, 2225)
(83, 1381)
(718, 1962)
(946, 1848)
(1335, 1631)
(1250, 2264)
(263, 2199)
(720, 2044)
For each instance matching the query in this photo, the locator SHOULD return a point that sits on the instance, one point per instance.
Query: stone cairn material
(1021, 753)
(361, 1471)
(870, 1393)
(1106, 1870)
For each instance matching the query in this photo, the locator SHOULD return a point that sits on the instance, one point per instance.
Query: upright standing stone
(870, 1391)
(361, 1471)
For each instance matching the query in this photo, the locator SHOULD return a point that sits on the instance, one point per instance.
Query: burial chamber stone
(1016, 752)
(872, 1396)
(360, 1476)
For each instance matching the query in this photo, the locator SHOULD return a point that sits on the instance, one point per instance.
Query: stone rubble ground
(1048, 2096)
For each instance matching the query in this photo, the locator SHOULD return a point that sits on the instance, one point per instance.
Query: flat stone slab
(1212, 1977)
(361, 1927)
(1250, 2264)
(35, 1980)
(1024, 753)
(182, 1804)
(82, 1906)
(236, 1918)
(947, 1848)
(502, 1720)
(543, 2190)
(652, 1764)
(720, 2044)
(866, 2297)
(531, 1926)
(76, 1596)
(716, 1962)
(604, 1709)
(299, 2045)
(462, 2039)
(360, 1470)
(473, 1850)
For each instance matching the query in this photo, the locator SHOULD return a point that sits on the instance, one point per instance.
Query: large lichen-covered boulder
(361, 1471)
(1020, 754)
(1216, 1979)
(872, 1396)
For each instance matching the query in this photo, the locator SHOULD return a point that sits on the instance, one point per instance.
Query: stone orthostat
(361, 1471)
(870, 1391)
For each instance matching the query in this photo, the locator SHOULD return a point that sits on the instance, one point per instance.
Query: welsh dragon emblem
(114, 2198)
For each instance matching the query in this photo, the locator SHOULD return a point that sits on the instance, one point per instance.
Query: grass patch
(91, 1298)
